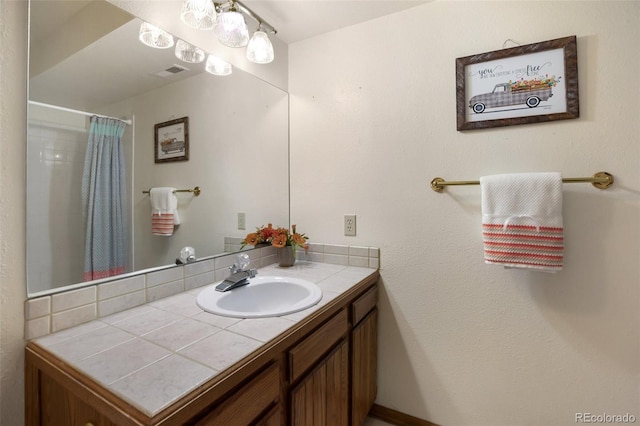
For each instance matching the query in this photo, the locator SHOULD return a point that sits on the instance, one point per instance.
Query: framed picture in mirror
(171, 140)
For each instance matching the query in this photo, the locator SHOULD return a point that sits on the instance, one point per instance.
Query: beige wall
(13, 69)
(373, 120)
(463, 343)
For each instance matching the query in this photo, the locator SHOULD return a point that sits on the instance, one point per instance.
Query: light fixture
(155, 37)
(199, 14)
(231, 29)
(217, 66)
(189, 53)
(260, 49)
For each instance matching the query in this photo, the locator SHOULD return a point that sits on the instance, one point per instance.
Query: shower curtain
(104, 200)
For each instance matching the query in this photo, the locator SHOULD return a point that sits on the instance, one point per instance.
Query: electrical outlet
(350, 225)
(242, 220)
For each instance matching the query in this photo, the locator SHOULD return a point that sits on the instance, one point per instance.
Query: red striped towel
(522, 220)
(162, 224)
(164, 211)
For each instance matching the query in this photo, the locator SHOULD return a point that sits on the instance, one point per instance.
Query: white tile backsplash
(37, 327)
(47, 314)
(39, 307)
(73, 299)
(164, 290)
(121, 303)
(73, 317)
(336, 249)
(197, 268)
(164, 276)
(120, 287)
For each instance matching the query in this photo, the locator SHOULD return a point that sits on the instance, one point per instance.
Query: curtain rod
(90, 114)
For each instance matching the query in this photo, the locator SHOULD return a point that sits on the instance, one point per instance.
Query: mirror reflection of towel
(522, 220)
(164, 211)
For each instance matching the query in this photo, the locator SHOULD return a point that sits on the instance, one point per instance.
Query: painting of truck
(528, 92)
(171, 145)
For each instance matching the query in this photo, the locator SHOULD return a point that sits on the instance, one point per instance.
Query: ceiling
(297, 20)
(56, 81)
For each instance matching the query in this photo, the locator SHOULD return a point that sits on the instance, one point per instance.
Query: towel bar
(601, 180)
(196, 191)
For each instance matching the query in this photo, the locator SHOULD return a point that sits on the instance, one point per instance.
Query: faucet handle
(243, 261)
(252, 273)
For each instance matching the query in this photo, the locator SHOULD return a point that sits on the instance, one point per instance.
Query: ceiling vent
(172, 70)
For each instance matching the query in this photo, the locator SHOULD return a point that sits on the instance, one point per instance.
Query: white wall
(13, 119)
(238, 155)
(463, 343)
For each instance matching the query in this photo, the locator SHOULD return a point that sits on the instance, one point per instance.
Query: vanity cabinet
(364, 355)
(247, 404)
(321, 395)
(322, 371)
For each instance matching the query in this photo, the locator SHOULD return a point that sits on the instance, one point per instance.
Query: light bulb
(231, 29)
(189, 53)
(260, 49)
(217, 66)
(198, 14)
(153, 36)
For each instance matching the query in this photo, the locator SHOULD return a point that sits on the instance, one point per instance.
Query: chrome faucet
(237, 279)
(239, 274)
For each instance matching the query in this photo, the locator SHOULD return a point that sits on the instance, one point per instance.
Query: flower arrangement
(277, 237)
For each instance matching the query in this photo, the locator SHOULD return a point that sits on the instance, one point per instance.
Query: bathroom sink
(267, 296)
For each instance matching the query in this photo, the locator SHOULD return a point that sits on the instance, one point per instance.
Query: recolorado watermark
(605, 418)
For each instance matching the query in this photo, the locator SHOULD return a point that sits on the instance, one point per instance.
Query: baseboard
(396, 417)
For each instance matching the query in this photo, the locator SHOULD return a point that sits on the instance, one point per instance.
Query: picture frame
(532, 83)
(171, 140)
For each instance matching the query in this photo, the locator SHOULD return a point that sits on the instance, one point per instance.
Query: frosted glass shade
(155, 37)
(189, 53)
(260, 49)
(198, 14)
(217, 66)
(231, 29)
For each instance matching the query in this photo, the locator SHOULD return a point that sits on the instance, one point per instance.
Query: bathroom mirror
(85, 56)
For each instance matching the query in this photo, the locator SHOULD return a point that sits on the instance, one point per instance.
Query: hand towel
(164, 211)
(522, 220)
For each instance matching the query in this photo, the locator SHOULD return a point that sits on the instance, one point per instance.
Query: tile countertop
(156, 353)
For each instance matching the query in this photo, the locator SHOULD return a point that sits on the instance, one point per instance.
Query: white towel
(164, 211)
(522, 220)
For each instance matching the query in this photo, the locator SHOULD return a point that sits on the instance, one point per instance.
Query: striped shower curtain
(104, 200)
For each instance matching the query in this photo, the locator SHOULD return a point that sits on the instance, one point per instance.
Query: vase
(285, 256)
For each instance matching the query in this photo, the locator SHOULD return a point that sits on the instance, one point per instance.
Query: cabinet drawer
(305, 354)
(364, 304)
(248, 402)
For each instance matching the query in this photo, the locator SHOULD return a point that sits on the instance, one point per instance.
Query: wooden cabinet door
(364, 367)
(272, 418)
(61, 407)
(245, 405)
(322, 397)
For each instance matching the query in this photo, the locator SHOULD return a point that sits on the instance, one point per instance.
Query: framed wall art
(525, 84)
(171, 141)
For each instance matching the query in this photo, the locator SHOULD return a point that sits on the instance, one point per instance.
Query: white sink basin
(268, 296)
